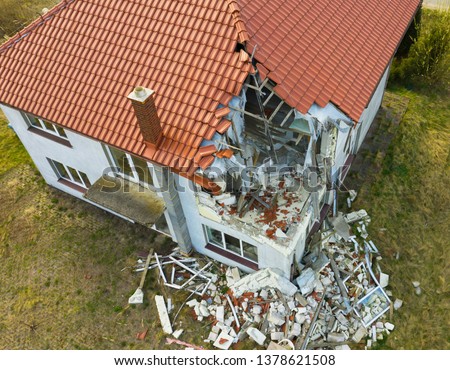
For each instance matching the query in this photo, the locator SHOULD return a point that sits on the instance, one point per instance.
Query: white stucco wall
(370, 112)
(85, 155)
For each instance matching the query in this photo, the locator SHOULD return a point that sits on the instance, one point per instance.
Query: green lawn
(12, 151)
(408, 203)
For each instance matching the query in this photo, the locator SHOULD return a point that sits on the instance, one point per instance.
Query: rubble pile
(337, 299)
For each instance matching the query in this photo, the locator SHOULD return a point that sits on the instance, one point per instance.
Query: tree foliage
(429, 55)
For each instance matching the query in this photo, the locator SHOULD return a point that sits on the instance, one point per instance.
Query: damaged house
(226, 124)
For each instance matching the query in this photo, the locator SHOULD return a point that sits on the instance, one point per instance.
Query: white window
(231, 244)
(70, 174)
(45, 126)
(131, 167)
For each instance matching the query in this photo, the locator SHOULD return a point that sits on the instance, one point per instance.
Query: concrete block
(256, 335)
(235, 274)
(302, 309)
(326, 281)
(256, 309)
(281, 309)
(223, 341)
(342, 319)
(397, 304)
(197, 309)
(192, 303)
(204, 311)
(306, 281)
(275, 318)
(266, 278)
(220, 314)
(277, 335)
(384, 280)
(312, 302)
(336, 337)
(295, 329)
(300, 318)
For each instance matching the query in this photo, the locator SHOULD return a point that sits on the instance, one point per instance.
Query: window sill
(232, 256)
(72, 185)
(47, 135)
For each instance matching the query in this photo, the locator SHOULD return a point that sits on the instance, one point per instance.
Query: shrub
(429, 55)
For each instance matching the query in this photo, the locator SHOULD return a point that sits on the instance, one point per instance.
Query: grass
(408, 202)
(15, 15)
(67, 273)
(13, 153)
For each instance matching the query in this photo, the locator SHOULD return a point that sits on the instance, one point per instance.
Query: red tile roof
(326, 50)
(76, 66)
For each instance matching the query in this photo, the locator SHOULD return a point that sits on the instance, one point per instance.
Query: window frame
(84, 184)
(206, 229)
(45, 126)
(135, 175)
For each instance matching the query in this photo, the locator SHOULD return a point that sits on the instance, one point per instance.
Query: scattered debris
(181, 343)
(138, 296)
(163, 315)
(339, 299)
(223, 341)
(265, 278)
(142, 334)
(417, 287)
(398, 303)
